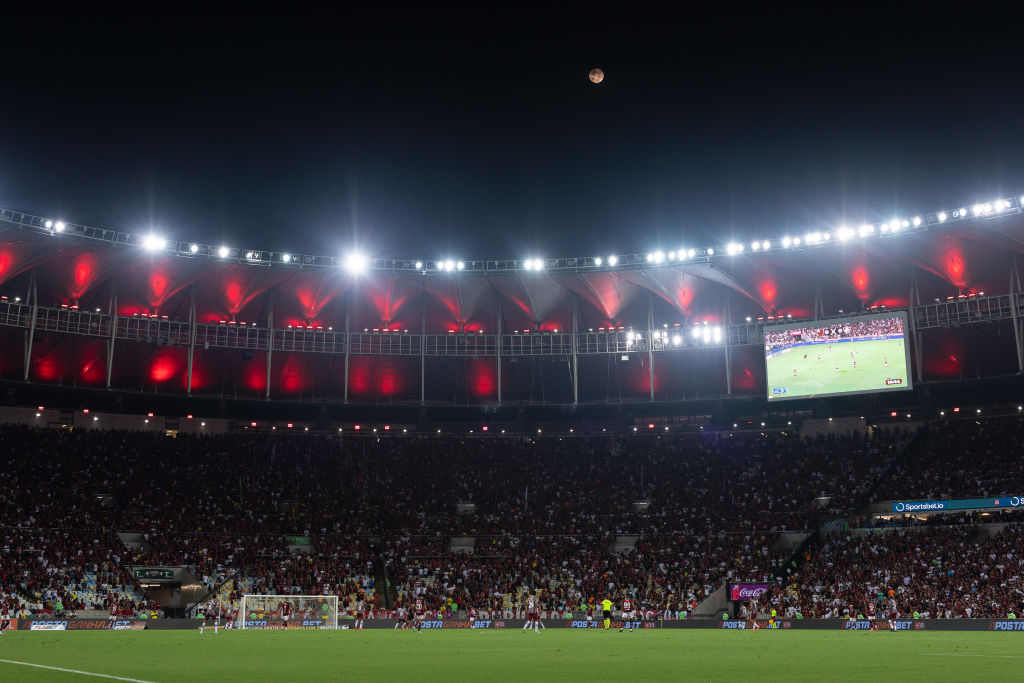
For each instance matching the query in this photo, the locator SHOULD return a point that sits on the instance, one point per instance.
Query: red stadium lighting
(387, 428)
(892, 414)
(252, 424)
(149, 414)
(484, 428)
(650, 425)
(86, 411)
(357, 428)
(956, 410)
(40, 408)
(290, 425)
(189, 417)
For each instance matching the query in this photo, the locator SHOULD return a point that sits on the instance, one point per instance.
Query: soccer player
(403, 617)
(113, 614)
(532, 614)
(419, 614)
(232, 616)
(359, 615)
(606, 610)
(471, 613)
(5, 616)
(886, 360)
(628, 614)
(590, 612)
(285, 609)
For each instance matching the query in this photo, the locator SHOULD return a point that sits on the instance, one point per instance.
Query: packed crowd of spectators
(952, 571)
(834, 331)
(664, 519)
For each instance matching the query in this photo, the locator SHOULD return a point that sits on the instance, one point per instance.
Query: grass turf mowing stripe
(73, 671)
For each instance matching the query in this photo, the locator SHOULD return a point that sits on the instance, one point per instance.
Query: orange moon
(596, 75)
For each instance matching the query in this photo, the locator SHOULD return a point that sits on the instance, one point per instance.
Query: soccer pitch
(553, 654)
(816, 372)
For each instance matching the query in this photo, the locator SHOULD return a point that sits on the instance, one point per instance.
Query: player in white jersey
(211, 614)
(628, 614)
(359, 615)
(5, 616)
(533, 614)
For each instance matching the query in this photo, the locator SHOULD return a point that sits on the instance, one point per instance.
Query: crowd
(834, 331)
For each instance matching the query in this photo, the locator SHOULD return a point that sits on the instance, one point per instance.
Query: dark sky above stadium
(478, 134)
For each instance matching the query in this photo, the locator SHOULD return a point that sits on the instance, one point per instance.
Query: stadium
(368, 441)
(523, 344)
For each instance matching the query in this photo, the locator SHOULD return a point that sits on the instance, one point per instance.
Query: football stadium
(675, 431)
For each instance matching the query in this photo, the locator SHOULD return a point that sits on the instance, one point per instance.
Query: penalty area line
(73, 671)
(966, 654)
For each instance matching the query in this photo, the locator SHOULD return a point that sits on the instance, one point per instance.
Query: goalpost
(308, 611)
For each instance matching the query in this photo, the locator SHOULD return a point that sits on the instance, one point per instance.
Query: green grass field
(816, 377)
(554, 654)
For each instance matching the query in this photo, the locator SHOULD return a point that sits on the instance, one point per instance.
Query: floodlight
(528, 264)
(844, 233)
(766, 245)
(650, 258)
(866, 230)
(894, 224)
(59, 226)
(419, 264)
(826, 237)
(659, 256)
(448, 265)
(597, 261)
(460, 265)
(538, 264)
(942, 216)
(691, 253)
(905, 224)
(248, 255)
(796, 241)
(48, 224)
(786, 242)
(677, 340)
(153, 242)
(812, 237)
(696, 332)
(916, 221)
(287, 258)
(755, 246)
(223, 252)
(193, 248)
(718, 334)
(612, 260)
(748, 318)
(671, 256)
(711, 252)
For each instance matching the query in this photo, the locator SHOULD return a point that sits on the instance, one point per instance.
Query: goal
(308, 611)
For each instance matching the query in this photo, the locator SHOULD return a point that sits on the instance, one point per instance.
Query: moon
(596, 75)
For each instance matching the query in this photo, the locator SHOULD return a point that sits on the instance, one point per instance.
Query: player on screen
(359, 615)
(471, 613)
(285, 609)
(403, 617)
(628, 615)
(532, 613)
(419, 613)
(886, 361)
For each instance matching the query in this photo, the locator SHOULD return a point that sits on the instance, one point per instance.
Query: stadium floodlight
(796, 241)
(48, 224)
(659, 256)
(355, 262)
(153, 242)
(905, 224)
(671, 256)
(733, 248)
(691, 253)
(826, 237)
(538, 264)
(677, 339)
(916, 221)
(755, 246)
(223, 252)
(866, 230)
(812, 237)
(419, 265)
(612, 260)
(59, 226)
(460, 265)
(844, 233)
(194, 249)
(717, 333)
(942, 216)
(248, 255)
(894, 224)
(597, 261)
(766, 245)
(287, 258)
(449, 265)
(711, 252)
(786, 242)
(650, 258)
(748, 318)
(528, 264)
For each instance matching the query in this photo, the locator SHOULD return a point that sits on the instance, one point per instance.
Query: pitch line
(965, 654)
(74, 671)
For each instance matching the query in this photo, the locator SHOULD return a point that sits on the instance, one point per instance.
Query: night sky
(479, 135)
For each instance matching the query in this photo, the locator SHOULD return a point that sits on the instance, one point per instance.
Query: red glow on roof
(860, 279)
(768, 290)
(162, 369)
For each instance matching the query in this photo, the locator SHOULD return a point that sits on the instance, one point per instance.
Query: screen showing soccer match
(863, 354)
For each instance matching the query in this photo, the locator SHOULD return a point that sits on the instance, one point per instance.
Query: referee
(606, 607)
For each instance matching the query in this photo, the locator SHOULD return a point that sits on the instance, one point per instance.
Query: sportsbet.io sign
(908, 506)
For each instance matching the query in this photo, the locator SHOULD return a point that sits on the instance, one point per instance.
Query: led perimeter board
(855, 355)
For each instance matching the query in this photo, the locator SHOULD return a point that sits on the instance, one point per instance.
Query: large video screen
(856, 355)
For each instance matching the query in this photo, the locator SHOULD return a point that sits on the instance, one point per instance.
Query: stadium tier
(103, 310)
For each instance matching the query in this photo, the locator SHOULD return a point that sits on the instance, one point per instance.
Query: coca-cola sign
(746, 591)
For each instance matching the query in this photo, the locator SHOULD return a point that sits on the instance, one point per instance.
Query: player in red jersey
(231, 615)
(359, 615)
(590, 612)
(628, 614)
(211, 615)
(113, 614)
(419, 613)
(286, 612)
(471, 613)
(532, 613)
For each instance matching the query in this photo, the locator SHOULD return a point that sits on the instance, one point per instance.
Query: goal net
(307, 611)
